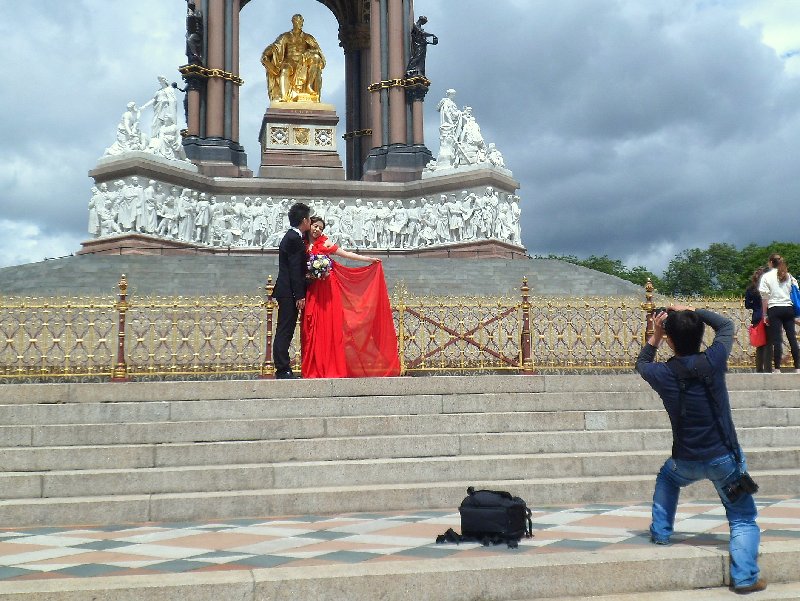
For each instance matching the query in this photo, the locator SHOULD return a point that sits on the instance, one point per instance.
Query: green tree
(687, 274)
(725, 267)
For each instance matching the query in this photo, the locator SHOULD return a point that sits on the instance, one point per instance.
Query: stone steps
(105, 453)
(364, 426)
(192, 506)
(157, 454)
(313, 474)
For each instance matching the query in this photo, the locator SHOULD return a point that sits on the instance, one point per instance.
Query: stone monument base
(300, 142)
(144, 244)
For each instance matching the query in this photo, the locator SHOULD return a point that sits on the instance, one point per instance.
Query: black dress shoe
(285, 375)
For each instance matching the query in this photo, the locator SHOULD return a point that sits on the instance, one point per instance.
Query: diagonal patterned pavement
(317, 540)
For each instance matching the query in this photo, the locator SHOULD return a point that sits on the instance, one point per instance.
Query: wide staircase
(181, 451)
(204, 274)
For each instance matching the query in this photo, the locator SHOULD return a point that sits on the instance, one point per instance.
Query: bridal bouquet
(319, 267)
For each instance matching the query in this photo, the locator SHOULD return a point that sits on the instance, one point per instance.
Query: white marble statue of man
(443, 222)
(449, 126)
(202, 219)
(411, 233)
(129, 136)
(369, 231)
(427, 221)
(168, 226)
(516, 213)
(345, 224)
(333, 225)
(470, 146)
(382, 215)
(106, 216)
(469, 211)
(357, 211)
(398, 221)
(259, 222)
(95, 201)
(217, 226)
(130, 201)
(149, 222)
(494, 156)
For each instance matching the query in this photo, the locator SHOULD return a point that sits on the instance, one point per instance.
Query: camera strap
(701, 371)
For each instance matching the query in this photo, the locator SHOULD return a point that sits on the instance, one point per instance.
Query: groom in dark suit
(290, 288)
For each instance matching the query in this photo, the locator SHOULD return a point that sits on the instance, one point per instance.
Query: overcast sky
(636, 128)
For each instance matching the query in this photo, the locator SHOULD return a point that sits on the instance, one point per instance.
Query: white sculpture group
(164, 139)
(187, 215)
(460, 140)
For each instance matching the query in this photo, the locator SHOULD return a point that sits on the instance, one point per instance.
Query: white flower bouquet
(319, 267)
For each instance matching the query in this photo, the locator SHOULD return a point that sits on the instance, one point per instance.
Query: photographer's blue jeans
(745, 535)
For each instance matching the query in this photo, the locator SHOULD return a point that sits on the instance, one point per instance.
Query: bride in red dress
(347, 330)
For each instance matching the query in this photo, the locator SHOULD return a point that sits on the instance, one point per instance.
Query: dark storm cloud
(636, 129)
(629, 124)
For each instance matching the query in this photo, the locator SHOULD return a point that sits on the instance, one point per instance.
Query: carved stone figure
(168, 226)
(294, 64)
(194, 34)
(370, 237)
(449, 121)
(428, 219)
(165, 108)
(443, 221)
(469, 142)
(95, 202)
(494, 156)
(129, 136)
(382, 214)
(397, 225)
(105, 216)
(258, 211)
(516, 213)
(419, 47)
(411, 234)
(148, 223)
(202, 219)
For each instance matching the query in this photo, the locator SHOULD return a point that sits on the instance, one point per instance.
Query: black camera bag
(494, 517)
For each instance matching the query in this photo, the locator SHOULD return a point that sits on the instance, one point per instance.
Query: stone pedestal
(298, 141)
(396, 163)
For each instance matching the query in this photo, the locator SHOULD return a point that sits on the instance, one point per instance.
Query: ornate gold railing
(129, 337)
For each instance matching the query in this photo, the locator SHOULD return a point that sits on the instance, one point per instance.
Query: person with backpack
(704, 442)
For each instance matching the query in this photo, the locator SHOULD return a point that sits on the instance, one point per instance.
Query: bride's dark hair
(318, 219)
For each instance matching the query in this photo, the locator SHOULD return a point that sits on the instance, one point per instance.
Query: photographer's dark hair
(685, 329)
(297, 212)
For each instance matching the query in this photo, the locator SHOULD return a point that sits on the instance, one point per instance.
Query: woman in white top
(775, 286)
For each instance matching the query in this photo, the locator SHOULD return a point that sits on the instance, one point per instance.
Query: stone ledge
(499, 578)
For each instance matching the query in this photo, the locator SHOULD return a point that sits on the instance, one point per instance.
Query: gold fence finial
(123, 284)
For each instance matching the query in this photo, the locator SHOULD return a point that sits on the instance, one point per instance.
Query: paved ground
(244, 544)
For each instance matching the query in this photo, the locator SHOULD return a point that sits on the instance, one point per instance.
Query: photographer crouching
(704, 443)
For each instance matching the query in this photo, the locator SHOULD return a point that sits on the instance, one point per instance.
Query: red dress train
(347, 330)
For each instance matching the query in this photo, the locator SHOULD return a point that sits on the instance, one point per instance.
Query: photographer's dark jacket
(699, 437)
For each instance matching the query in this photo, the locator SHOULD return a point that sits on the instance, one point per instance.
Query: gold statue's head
(297, 21)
